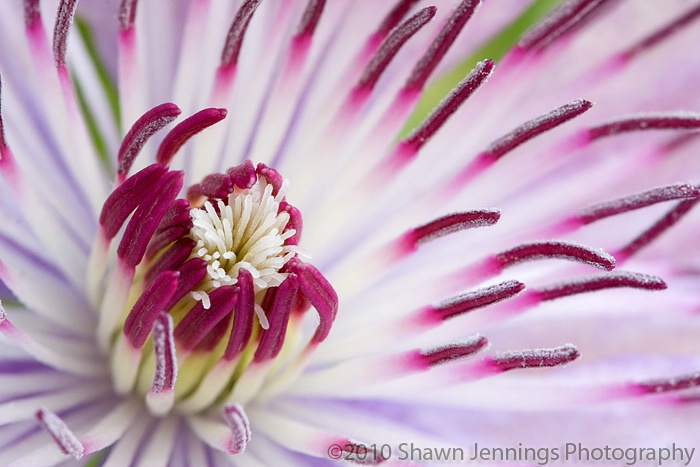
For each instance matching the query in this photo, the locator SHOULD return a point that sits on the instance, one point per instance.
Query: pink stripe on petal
(59, 431)
(237, 420)
(145, 127)
(186, 129)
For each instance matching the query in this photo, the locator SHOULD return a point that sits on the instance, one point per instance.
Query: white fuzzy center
(248, 233)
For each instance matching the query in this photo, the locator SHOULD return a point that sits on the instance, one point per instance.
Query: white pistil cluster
(248, 233)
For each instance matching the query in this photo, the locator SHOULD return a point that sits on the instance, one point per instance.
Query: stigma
(205, 300)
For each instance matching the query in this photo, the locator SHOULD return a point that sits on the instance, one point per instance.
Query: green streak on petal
(97, 140)
(494, 49)
(95, 460)
(106, 81)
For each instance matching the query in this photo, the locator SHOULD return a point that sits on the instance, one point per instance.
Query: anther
(570, 14)
(147, 125)
(237, 421)
(150, 304)
(593, 283)
(278, 315)
(448, 353)
(64, 19)
(536, 358)
(243, 316)
(234, 38)
(670, 121)
(533, 128)
(320, 293)
(449, 224)
(127, 197)
(661, 226)
(243, 176)
(636, 201)
(428, 62)
(551, 250)
(199, 321)
(310, 18)
(191, 274)
(394, 17)
(59, 431)
(473, 300)
(449, 105)
(186, 129)
(172, 259)
(272, 176)
(127, 14)
(32, 13)
(145, 220)
(663, 385)
(164, 351)
(390, 47)
(216, 185)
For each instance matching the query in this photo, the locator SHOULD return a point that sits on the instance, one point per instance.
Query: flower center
(204, 302)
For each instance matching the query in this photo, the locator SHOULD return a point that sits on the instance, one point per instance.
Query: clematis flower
(238, 257)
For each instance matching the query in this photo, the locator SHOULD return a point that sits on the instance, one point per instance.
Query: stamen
(533, 128)
(3, 143)
(237, 420)
(216, 185)
(536, 358)
(662, 34)
(449, 105)
(127, 14)
(278, 315)
(390, 47)
(191, 274)
(59, 431)
(171, 259)
(32, 13)
(320, 294)
(572, 13)
(234, 38)
(310, 18)
(164, 351)
(175, 223)
(148, 307)
(661, 226)
(200, 321)
(140, 131)
(243, 176)
(394, 17)
(554, 250)
(243, 316)
(636, 201)
(448, 224)
(428, 62)
(186, 129)
(64, 19)
(671, 121)
(662, 385)
(472, 300)
(272, 176)
(294, 223)
(448, 353)
(127, 197)
(591, 284)
(146, 219)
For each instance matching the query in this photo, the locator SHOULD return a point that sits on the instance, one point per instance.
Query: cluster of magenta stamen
(156, 316)
(168, 306)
